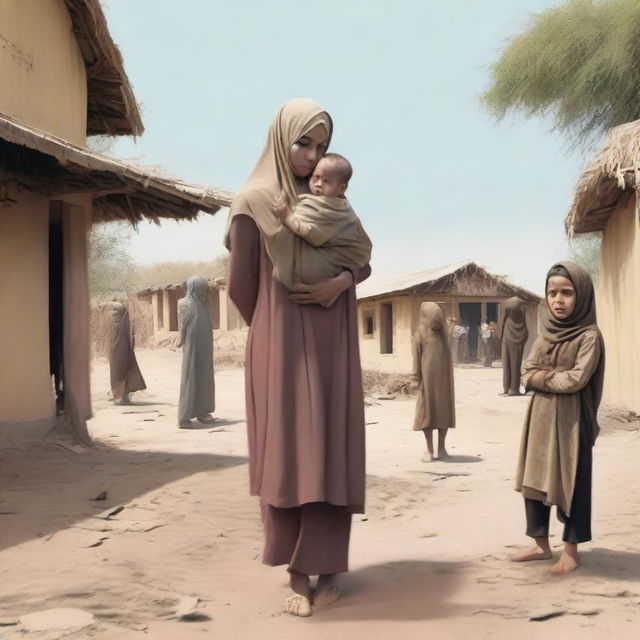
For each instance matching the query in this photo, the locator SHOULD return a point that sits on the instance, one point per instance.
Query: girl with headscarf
(433, 377)
(197, 397)
(565, 371)
(125, 372)
(304, 400)
(514, 336)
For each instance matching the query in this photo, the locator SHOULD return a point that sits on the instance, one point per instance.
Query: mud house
(606, 201)
(164, 308)
(62, 80)
(389, 308)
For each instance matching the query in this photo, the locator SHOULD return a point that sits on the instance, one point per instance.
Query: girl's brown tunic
(304, 400)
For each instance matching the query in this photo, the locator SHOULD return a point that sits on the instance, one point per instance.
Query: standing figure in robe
(197, 391)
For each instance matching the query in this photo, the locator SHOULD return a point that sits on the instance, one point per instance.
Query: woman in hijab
(304, 400)
(197, 398)
(565, 371)
(514, 337)
(125, 373)
(433, 377)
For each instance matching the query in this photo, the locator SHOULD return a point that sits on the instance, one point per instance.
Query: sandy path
(428, 557)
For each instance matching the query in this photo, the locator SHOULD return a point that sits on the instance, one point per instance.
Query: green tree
(578, 63)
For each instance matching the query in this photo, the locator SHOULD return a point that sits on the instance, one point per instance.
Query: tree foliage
(578, 63)
(111, 268)
(585, 251)
(114, 273)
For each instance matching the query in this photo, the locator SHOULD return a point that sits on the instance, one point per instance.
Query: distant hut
(62, 79)
(389, 309)
(606, 201)
(163, 302)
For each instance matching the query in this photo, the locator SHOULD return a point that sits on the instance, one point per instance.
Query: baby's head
(331, 176)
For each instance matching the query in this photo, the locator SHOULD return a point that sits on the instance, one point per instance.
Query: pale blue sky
(436, 180)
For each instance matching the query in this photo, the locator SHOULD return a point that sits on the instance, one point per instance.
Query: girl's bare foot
(297, 605)
(328, 591)
(427, 457)
(569, 560)
(442, 454)
(541, 551)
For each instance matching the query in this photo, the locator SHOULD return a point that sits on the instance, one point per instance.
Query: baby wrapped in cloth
(328, 236)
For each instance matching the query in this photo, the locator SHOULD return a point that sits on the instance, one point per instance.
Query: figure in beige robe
(197, 395)
(514, 337)
(125, 372)
(304, 399)
(433, 378)
(565, 370)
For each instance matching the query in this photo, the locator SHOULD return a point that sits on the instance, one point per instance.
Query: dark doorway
(386, 327)
(492, 312)
(56, 303)
(470, 313)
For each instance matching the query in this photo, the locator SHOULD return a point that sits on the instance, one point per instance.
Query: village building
(62, 80)
(389, 309)
(606, 202)
(162, 307)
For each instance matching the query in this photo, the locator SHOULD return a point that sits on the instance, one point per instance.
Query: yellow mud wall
(42, 70)
(25, 385)
(618, 306)
(400, 361)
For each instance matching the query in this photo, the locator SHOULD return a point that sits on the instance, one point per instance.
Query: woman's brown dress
(305, 411)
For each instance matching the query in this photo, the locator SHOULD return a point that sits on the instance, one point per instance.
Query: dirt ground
(429, 558)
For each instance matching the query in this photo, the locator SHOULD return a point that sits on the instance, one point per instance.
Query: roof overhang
(44, 163)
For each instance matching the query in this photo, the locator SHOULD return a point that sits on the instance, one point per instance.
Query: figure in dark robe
(125, 372)
(514, 337)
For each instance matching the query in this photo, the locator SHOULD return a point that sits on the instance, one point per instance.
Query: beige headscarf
(431, 320)
(272, 175)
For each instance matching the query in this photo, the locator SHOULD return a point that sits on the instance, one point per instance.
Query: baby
(333, 239)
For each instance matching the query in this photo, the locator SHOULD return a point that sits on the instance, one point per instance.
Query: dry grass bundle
(397, 384)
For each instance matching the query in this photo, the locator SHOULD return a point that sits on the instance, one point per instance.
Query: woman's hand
(324, 293)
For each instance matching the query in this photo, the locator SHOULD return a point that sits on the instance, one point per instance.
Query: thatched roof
(608, 180)
(111, 106)
(438, 280)
(46, 164)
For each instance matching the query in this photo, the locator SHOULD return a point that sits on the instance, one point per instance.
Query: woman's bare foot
(300, 603)
(297, 605)
(541, 551)
(569, 560)
(185, 424)
(206, 419)
(328, 590)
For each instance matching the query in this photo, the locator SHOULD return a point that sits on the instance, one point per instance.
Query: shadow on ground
(405, 590)
(45, 487)
(620, 565)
